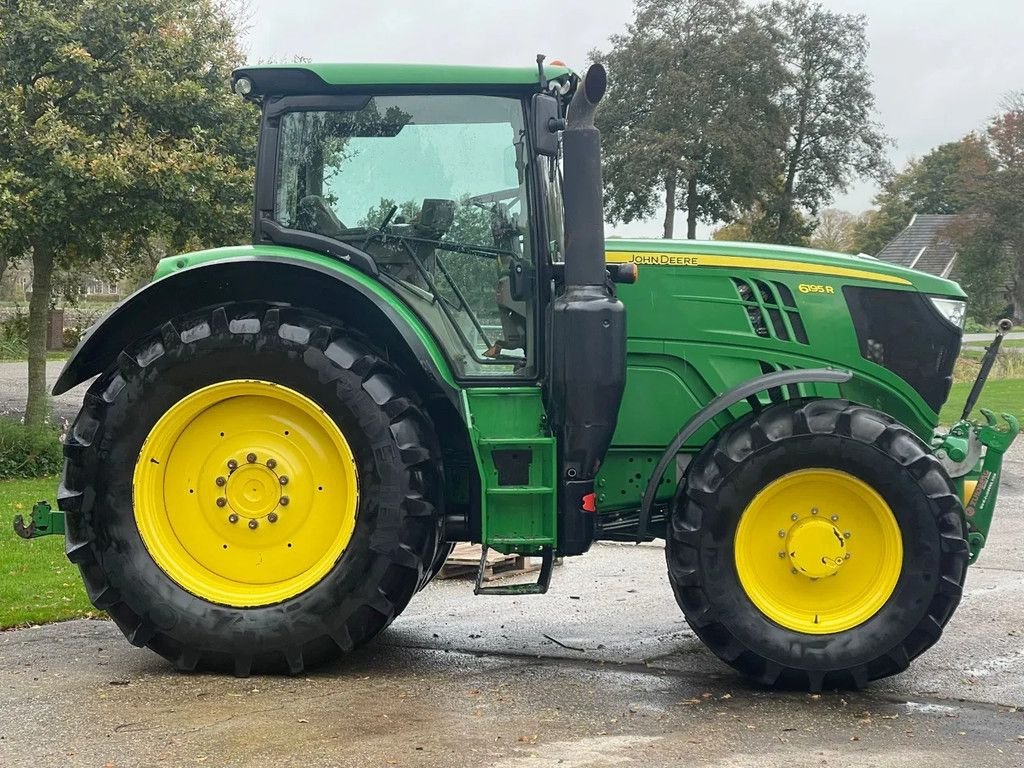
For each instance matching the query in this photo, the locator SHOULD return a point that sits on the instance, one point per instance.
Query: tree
(828, 106)
(946, 181)
(992, 236)
(835, 230)
(689, 119)
(116, 124)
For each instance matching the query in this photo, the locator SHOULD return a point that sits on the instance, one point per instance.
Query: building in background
(923, 245)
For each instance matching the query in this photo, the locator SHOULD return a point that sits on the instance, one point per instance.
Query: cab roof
(284, 79)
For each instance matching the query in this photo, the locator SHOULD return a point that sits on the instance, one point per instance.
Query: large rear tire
(251, 489)
(817, 544)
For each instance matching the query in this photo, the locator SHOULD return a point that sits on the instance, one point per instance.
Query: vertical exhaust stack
(588, 326)
(583, 193)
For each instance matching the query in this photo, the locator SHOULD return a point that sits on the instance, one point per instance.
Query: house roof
(923, 245)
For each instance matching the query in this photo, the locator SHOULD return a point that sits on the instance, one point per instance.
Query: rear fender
(338, 291)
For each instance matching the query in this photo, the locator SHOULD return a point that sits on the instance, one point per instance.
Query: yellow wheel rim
(245, 493)
(818, 551)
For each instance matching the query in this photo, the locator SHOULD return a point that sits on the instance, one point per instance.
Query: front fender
(272, 274)
(723, 402)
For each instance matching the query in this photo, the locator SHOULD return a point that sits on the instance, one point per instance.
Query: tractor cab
(441, 195)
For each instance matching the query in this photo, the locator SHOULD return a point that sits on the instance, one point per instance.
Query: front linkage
(972, 453)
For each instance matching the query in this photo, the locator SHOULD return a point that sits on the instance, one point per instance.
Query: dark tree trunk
(691, 208)
(5, 262)
(1017, 296)
(670, 206)
(37, 406)
(785, 212)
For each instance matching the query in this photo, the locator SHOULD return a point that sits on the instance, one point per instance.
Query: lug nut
(232, 465)
(254, 524)
(794, 516)
(271, 463)
(232, 518)
(283, 479)
(221, 481)
(221, 501)
(793, 571)
(846, 535)
(814, 511)
(272, 517)
(835, 518)
(846, 556)
(284, 501)
(251, 458)
(782, 534)
(782, 554)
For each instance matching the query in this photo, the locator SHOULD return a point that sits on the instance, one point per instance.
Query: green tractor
(427, 343)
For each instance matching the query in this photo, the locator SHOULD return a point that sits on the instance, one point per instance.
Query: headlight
(953, 310)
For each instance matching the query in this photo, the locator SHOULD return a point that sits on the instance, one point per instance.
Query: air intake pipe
(588, 327)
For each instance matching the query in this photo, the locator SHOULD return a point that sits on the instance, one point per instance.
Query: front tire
(301, 547)
(817, 544)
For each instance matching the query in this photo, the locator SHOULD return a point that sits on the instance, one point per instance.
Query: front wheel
(817, 544)
(251, 489)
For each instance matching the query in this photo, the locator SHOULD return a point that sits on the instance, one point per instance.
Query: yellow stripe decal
(745, 262)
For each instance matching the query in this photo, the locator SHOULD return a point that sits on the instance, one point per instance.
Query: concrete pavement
(602, 671)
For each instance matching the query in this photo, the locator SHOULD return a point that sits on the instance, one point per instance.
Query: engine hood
(779, 257)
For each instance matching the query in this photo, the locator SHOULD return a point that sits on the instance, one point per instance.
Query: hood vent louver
(771, 310)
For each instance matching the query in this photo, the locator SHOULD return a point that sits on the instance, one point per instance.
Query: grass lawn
(999, 395)
(37, 583)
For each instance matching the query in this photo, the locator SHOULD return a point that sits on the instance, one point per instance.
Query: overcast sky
(940, 66)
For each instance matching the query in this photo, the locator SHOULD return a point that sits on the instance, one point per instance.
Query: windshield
(433, 188)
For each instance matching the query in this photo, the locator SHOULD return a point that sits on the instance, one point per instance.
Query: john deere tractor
(427, 343)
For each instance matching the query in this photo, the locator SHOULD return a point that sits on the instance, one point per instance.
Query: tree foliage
(980, 181)
(835, 230)
(828, 104)
(116, 125)
(727, 112)
(689, 120)
(991, 238)
(945, 181)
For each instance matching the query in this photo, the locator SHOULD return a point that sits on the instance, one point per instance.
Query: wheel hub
(253, 490)
(816, 547)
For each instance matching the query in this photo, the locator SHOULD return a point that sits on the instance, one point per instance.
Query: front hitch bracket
(44, 520)
(980, 507)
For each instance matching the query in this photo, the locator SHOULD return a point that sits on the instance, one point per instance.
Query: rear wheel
(817, 544)
(251, 489)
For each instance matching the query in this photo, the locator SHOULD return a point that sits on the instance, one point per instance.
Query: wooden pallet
(464, 561)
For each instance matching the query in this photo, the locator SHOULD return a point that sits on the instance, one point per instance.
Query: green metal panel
(515, 518)
(173, 264)
(690, 339)
(786, 258)
(422, 74)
